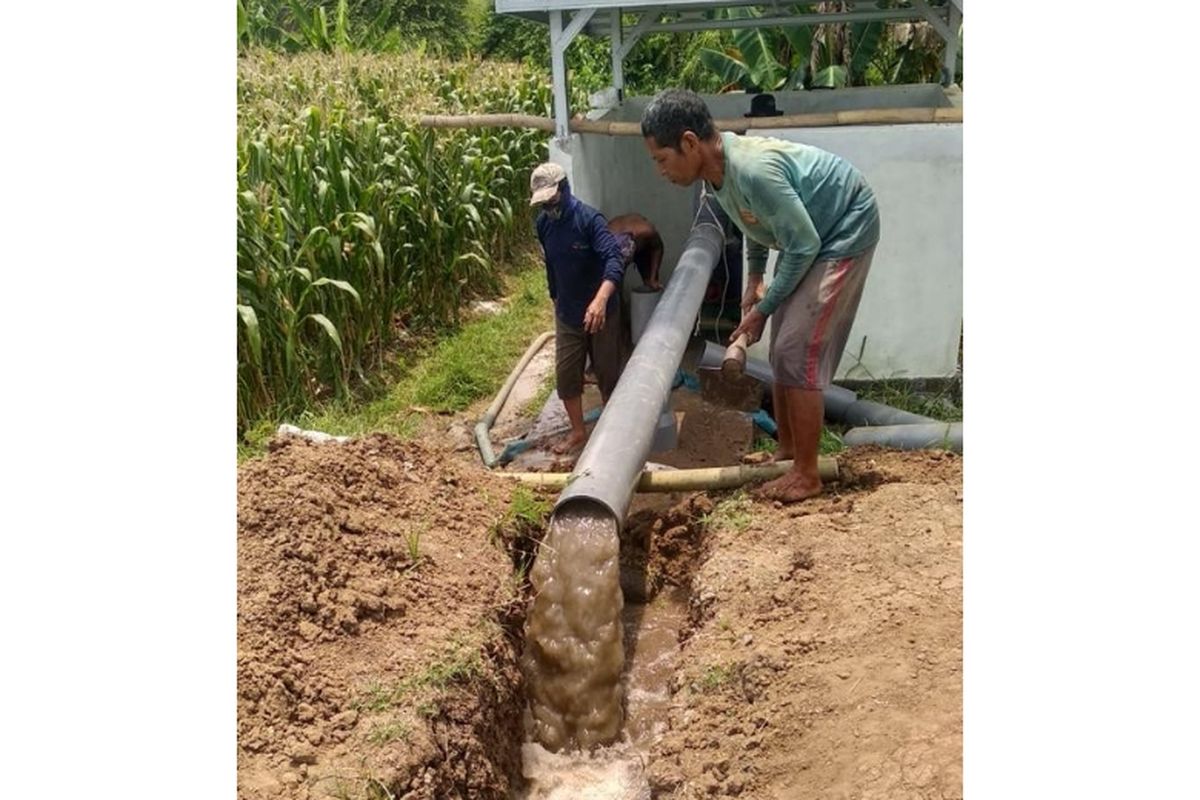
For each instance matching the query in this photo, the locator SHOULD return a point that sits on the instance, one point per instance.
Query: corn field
(354, 223)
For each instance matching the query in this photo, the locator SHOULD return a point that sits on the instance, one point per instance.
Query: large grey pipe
(642, 302)
(868, 412)
(611, 464)
(930, 436)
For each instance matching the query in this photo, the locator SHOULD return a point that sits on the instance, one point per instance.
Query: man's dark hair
(674, 111)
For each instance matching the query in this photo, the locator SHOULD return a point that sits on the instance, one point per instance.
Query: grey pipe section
(642, 302)
(841, 404)
(936, 436)
(611, 463)
(868, 412)
(837, 398)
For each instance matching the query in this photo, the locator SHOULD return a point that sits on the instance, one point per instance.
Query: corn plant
(354, 223)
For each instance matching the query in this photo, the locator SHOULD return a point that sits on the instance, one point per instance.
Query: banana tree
(839, 57)
(799, 57)
(749, 61)
(315, 32)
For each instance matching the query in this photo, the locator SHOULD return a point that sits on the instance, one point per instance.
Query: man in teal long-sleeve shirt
(819, 213)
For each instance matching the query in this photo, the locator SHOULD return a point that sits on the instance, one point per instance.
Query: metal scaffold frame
(567, 19)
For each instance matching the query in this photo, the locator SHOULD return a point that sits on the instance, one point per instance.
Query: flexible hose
(484, 426)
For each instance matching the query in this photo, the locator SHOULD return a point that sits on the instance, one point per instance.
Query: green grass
(535, 405)
(389, 732)
(474, 362)
(529, 508)
(734, 513)
(714, 677)
(941, 405)
(526, 515)
(830, 442)
(458, 665)
(469, 364)
(764, 444)
(412, 541)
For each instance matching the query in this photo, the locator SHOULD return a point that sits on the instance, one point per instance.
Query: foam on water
(574, 653)
(610, 773)
(597, 699)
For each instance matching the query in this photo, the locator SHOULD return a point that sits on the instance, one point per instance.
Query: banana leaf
(831, 77)
(727, 66)
(864, 38)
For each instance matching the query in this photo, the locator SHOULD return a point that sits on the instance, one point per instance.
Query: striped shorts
(810, 327)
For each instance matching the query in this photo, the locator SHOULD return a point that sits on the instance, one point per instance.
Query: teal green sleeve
(772, 197)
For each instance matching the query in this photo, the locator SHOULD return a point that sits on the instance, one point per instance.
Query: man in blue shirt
(584, 269)
(820, 214)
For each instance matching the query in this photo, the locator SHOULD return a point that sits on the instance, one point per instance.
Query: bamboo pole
(681, 480)
(488, 121)
(866, 116)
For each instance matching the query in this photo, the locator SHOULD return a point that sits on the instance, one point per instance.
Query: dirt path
(379, 620)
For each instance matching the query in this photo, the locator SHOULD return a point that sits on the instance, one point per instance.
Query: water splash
(574, 652)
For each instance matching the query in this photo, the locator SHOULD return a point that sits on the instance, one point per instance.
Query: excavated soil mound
(371, 658)
(379, 628)
(825, 654)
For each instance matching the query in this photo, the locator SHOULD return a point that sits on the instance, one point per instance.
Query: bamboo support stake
(869, 116)
(680, 480)
(488, 121)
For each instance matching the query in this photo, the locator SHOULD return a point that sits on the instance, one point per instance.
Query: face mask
(553, 211)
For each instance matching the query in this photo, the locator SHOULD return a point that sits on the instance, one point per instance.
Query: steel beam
(950, 53)
(899, 14)
(558, 71)
(618, 60)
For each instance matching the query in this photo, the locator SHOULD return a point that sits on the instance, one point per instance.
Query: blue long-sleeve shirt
(581, 253)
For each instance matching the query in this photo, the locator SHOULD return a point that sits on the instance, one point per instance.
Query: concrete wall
(910, 318)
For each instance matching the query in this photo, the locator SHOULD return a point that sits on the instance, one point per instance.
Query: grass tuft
(734, 513)
(764, 444)
(534, 406)
(714, 677)
(526, 516)
(941, 405)
(830, 443)
(458, 665)
(389, 732)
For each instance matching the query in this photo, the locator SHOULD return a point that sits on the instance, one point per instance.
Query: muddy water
(617, 771)
(652, 648)
(574, 652)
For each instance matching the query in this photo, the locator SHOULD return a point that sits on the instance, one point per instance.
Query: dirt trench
(381, 595)
(376, 624)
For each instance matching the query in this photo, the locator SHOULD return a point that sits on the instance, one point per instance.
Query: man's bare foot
(791, 488)
(570, 444)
